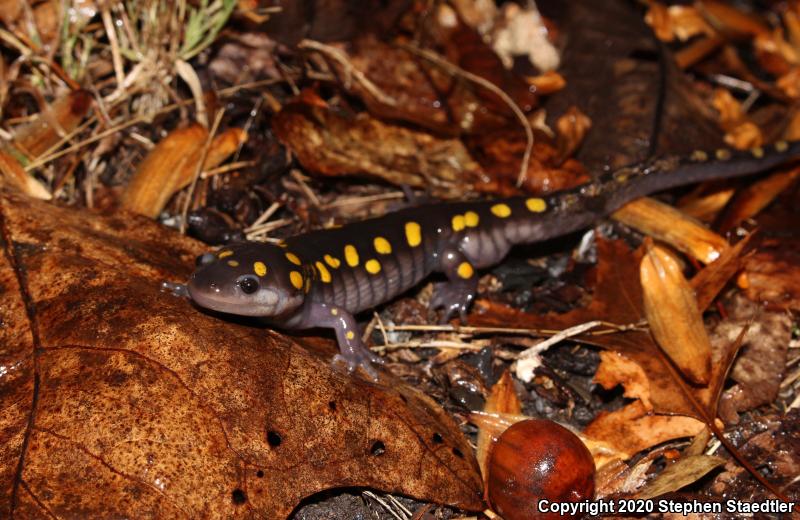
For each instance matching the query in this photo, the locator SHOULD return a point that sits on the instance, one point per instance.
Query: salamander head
(249, 280)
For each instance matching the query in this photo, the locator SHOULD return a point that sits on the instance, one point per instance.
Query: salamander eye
(248, 284)
(204, 259)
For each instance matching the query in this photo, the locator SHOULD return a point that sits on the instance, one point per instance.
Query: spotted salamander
(323, 278)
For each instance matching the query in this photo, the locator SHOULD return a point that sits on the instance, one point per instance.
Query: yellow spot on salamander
(373, 266)
(233, 263)
(699, 156)
(501, 210)
(723, 154)
(260, 268)
(324, 274)
(297, 279)
(350, 255)
(350, 335)
(224, 254)
(458, 223)
(293, 258)
(382, 246)
(781, 146)
(335, 311)
(757, 152)
(535, 204)
(332, 261)
(465, 270)
(413, 234)
(471, 219)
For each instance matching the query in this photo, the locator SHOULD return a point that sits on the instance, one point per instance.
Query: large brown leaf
(118, 399)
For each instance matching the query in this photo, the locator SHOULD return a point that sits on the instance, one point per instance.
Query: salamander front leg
(352, 351)
(457, 294)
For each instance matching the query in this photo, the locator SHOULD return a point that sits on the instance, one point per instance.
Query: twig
(488, 85)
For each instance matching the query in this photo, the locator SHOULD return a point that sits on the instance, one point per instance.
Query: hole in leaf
(458, 453)
(259, 474)
(437, 438)
(332, 405)
(238, 496)
(377, 448)
(274, 439)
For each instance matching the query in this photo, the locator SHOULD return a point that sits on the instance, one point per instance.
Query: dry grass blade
(675, 320)
(667, 224)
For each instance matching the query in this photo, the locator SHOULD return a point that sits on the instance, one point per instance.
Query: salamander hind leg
(352, 351)
(456, 295)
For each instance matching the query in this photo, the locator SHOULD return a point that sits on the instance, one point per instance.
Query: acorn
(536, 460)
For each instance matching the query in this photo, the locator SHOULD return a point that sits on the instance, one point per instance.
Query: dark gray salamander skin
(323, 278)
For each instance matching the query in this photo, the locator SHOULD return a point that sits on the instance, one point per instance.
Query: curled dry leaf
(172, 164)
(547, 83)
(685, 471)
(125, 400)
(11, 170)
(667, 224)
(674, 318)
(54, 122)
(502, 399)
(705, 206)
(333, 145)
(754, 198)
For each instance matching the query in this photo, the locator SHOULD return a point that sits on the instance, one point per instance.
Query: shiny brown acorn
(537, 460)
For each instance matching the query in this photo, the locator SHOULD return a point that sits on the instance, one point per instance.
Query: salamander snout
(247, 280)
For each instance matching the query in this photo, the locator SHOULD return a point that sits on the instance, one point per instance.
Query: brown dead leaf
(502, 399)
(667, 224)
(759, 369)
(172, 165)
(11, 170)
(772, 273)
(705, 206)
(402, 86)
(54, 122)
(750, 201)
(500, 154)
(122, 399)
(685, 471)
(332, 145)
(675, 320)
(616, 369)
(572, 127)
(632, 428)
